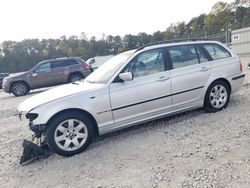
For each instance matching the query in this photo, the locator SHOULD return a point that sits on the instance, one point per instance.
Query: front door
(149, 93)
(41, 76)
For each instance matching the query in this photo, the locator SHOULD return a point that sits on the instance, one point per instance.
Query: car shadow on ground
(168, 121)
(136, 130)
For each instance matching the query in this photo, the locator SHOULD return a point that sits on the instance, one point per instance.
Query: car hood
(16, 74)
(55, 94)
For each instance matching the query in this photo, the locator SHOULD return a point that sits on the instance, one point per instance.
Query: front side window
(216, 51)
(184, 55)
(147, 63)
(43, 67)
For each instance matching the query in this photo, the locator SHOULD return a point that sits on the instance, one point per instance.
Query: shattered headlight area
(35, 149)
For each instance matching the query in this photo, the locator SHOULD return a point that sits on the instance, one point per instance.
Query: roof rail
(171, 41)
(65, 57)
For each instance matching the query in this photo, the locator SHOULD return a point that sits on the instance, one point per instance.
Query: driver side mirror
(127, 76)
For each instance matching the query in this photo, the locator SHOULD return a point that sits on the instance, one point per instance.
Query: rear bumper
(86, 72)
(237, 82)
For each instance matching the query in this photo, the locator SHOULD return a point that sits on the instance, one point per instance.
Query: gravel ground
(193, 149)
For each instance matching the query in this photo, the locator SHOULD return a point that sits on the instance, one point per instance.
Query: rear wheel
(75, 77)
(217, 96)
(69, 133)
(19, 89)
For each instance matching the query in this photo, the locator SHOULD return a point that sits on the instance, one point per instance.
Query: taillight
(86, 66)
(241, 67)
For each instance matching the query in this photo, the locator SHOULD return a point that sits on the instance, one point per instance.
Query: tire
(75, 77)
(217, 96)
(69, 133)
(20, 89)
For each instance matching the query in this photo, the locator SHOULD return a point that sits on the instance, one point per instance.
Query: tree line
(20, 56)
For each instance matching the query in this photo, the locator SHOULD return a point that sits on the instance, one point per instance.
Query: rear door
(60, 71)
(147, 95)
(190, 72)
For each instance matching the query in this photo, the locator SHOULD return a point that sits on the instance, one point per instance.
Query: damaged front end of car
(37, 148)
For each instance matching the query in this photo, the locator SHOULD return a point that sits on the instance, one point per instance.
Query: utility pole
(228, 33)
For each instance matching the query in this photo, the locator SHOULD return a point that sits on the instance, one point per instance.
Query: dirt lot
(194, 149)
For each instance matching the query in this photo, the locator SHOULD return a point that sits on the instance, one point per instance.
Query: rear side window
(184, 55)
(64, 63)
(72, 62)
(216, 51)
(57, 64)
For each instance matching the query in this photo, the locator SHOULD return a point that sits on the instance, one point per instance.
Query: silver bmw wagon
(133, 87)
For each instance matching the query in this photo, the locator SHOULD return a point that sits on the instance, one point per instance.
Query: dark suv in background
(47, 73)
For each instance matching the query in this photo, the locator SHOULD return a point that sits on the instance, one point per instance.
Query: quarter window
(216, 51)
(147, 63)
(185, 55)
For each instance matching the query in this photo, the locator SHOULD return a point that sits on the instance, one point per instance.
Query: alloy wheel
(19, 89)
(71, 134)
(218, 96)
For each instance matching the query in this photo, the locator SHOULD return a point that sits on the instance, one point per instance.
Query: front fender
(97, 104)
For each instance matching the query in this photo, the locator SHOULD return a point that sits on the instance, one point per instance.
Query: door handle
(34, 74)
(163, 78)
(203, 69)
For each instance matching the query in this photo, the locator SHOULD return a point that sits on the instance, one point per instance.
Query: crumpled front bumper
(37, 129)
(33, 152)
(37, 148)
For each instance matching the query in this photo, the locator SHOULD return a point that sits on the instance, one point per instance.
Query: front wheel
(217, 96)
(19, 89)
(69, 133)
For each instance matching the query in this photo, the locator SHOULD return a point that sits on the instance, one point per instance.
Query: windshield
(105, 72)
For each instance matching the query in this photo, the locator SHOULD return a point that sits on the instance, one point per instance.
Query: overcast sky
(22, 19)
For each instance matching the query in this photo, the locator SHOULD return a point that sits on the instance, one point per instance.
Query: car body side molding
(149, 100)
